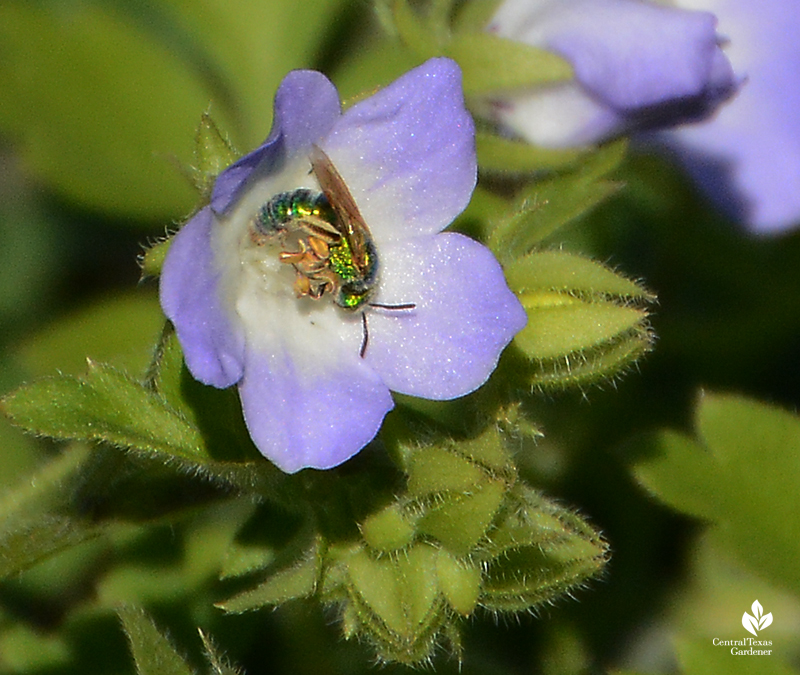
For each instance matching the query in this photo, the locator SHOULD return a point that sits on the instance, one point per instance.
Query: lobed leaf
(737, 473)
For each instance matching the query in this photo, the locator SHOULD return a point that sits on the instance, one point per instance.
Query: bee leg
(365, 339)
(320, 248)
(302, 285)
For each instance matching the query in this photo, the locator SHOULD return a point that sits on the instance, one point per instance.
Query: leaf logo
(758, 621)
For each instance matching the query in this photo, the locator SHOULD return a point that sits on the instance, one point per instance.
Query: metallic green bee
(336, 252)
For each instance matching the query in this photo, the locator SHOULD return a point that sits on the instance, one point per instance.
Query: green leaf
(298, 581)
(218, 664)
(243, 559)
(160, 65)
(112, 160)
(550, 204)
(493, 65)
(698, 658)
(23, 543)
(27, 650)
(244, 50)
(107, 406)
(152, 651)
(119, 329)
(737, 474)
(32, 523)
(505, 155)
(677, 470)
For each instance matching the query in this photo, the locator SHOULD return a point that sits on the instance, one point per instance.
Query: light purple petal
(408, 152)
(645, 64)
(748, 157)
(306, 106)
(557, 116)
(213, 346)
(465, 315)
(316, 413)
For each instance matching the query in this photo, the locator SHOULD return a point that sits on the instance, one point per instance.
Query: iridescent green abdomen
(300, 204)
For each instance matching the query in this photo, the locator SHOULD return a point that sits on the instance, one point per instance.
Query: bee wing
(339, 197)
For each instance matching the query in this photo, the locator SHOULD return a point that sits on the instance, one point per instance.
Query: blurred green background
(99, 101)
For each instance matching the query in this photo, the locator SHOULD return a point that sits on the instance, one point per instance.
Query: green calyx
(466, 534)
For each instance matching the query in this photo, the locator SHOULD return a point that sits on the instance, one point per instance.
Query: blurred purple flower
(310, 397)
(748, 157)
(637, 65)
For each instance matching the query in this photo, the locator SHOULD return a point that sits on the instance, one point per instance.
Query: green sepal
(213, 152)
(537, 552)
(298, 581)
(492, 65)
(416, 33)
(474, 16)
(394, 601)
(497, 154)
(438, 469)
(390, 529)
(460, 520)
(152, 651)
(737, 474)
(152, 260)
(560, 325)
(570, 273)
(586, 322)
(546, 205)
(460, 582)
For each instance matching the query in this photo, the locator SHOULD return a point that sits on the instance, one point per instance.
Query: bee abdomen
(285, 207)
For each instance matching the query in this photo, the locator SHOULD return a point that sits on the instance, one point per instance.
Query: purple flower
(637, 65)
(314, 389)
(748, 157)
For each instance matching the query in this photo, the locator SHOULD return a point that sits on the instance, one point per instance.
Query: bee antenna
(404, 305)
(365, 340)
